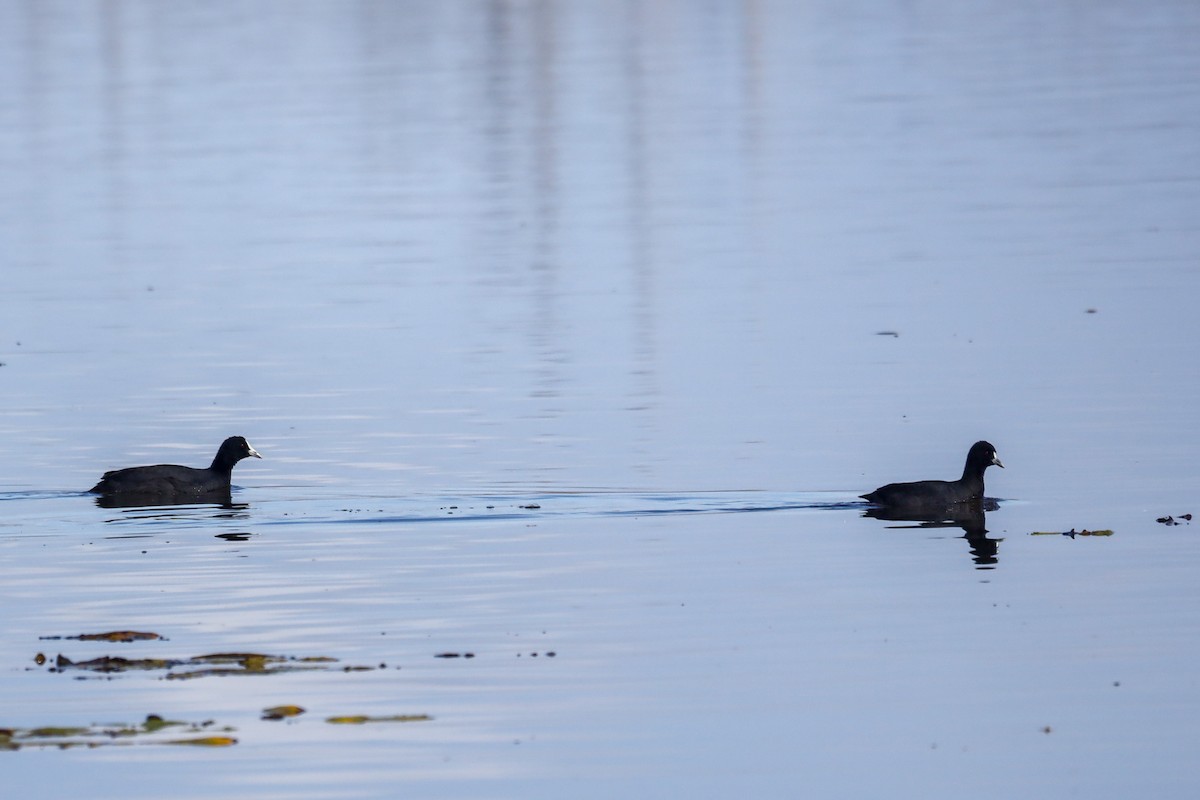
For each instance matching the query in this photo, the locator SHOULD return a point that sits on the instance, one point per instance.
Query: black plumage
(935, 495)
(171, 483)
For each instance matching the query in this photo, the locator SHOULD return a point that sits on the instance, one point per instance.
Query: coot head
(981, 456)
(233, 450)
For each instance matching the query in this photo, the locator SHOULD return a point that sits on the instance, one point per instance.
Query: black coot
(169, 483)
(921, 496)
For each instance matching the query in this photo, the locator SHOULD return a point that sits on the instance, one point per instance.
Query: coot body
(171, 483)
(928, 496)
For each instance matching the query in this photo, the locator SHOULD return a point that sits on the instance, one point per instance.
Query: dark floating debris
(1072, 533)
(530, 506)
(1186, 519)
(110, 636)
(454, 655)
(893, 334)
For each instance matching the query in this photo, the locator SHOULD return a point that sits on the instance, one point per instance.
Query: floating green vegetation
(1072, 533)
(363, 719)
(112, 664)
(154, 730)
(203, 666)
(247, 664)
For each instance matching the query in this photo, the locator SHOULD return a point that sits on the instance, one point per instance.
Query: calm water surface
(578, 328)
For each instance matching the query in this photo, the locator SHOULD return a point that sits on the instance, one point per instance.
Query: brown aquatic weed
(97, 735)
(209, 665)
(282, 712)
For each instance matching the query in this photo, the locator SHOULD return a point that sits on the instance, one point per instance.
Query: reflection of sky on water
(569, 244)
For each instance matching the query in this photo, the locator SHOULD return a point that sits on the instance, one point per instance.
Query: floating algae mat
(209, 665)
(154, 730)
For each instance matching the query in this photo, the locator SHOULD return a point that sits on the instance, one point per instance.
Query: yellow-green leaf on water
(282, 712)
(156, 723)
(56, 732)
(361, 719)
(206, 741)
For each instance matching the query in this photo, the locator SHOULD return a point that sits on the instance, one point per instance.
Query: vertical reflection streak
(639, 210)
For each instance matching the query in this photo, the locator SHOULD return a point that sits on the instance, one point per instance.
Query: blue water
(579, 328)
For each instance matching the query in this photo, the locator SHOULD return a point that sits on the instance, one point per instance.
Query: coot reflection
(171, 484)
(970, 517)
